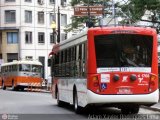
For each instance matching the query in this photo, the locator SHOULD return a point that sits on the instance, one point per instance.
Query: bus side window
(20, 67)
(79, 61)
(6, 69)
(67, 65)
(84, 60)
(57, 59)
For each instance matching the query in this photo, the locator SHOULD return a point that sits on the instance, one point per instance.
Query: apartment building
(25, 29)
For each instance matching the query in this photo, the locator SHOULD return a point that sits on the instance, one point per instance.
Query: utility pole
(113, 12)
(89, 22)
(88, 12)
(59, 27)
(53, 26)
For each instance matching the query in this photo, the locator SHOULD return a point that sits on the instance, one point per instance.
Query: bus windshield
(30, 68)
(24, 67)
(36, 68)
(123, 50)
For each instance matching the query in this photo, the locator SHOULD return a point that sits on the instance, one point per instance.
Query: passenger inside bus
(130, 56)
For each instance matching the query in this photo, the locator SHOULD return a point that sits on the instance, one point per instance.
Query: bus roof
(145, 30)
(81, 37)
(22, 62)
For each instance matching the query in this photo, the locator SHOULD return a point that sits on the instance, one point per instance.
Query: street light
(53, 26)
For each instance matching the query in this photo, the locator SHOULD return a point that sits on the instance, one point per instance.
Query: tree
(132, 9)
(137, 8)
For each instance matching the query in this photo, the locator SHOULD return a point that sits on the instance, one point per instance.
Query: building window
(12, 56)
(9, 0)
(28, 0)
(52, 17)
(41, 37)
(41, 2)
(10, 16)
(63, 19)
(41, 17)
(12, 37)
(28, 16)
(63, 2)
(52, 1)
(0, 58)
(28, 37)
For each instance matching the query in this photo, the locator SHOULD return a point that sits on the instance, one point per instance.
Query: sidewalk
(45, 91)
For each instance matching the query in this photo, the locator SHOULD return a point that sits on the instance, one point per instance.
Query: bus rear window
(123, 50)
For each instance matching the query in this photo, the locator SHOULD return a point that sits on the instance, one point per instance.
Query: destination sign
(83, 10)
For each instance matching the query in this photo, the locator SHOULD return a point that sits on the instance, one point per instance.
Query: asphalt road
(19, 105)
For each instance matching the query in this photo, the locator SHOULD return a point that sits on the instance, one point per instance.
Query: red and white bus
(21, 74)
(114, 66)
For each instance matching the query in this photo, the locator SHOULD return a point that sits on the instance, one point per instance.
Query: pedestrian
(49, 83)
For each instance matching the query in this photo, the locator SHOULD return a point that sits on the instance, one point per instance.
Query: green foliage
(134, 9)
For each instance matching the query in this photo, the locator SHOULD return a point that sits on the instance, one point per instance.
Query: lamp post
(53, 26)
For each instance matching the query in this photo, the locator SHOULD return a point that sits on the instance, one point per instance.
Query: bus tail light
(152, 80)
(152, 83)
(95, 81)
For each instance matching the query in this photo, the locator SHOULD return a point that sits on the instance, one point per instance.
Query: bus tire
(22, 88)
(125, 111)
(77, 108)
(3, 86)
(130, 110)
(59, 102)
(135, 109)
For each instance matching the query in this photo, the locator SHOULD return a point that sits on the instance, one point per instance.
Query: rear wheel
(135, 109)
(22, 88)
(59, 102)
(3, 85)
(77, 108)
(130, 110)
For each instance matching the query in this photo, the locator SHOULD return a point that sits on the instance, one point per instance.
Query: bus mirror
(49, 62)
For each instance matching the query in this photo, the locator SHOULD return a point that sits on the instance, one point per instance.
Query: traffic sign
(83, 10)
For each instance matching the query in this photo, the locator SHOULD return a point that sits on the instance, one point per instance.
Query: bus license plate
(124, 91)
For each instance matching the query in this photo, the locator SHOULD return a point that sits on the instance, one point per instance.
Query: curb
(151, 108)
(45, 91)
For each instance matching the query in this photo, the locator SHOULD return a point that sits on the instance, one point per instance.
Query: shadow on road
(107, 113)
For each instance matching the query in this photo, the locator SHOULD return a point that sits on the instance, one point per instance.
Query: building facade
(25, 29)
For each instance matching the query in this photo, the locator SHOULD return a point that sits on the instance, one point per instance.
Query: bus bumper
(23, 84)
(141, 99)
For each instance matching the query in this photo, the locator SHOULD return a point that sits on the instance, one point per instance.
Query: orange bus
(21, 74)
(107, 66)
